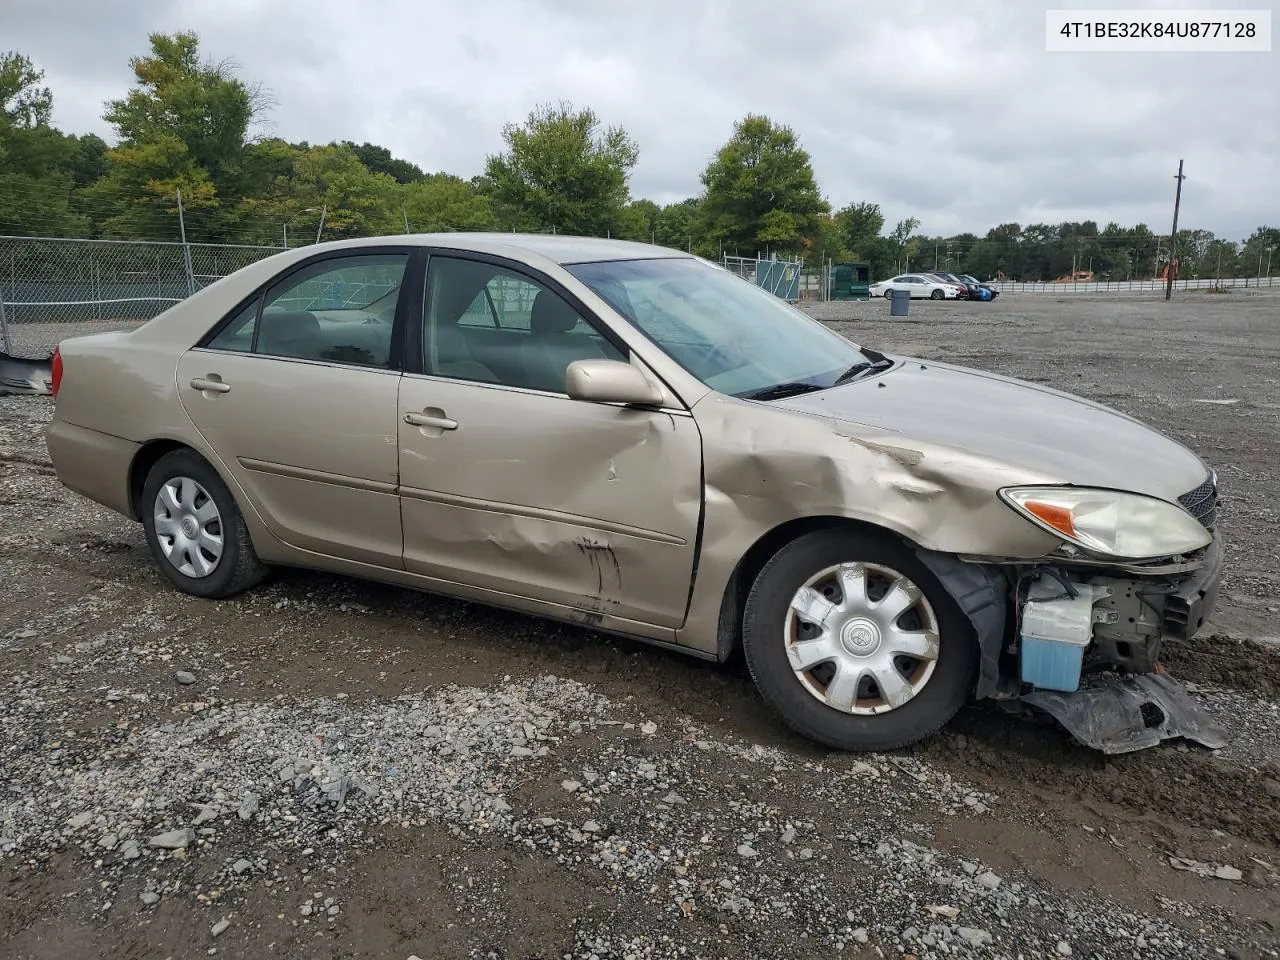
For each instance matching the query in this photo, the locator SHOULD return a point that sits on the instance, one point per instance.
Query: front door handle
(426, 420)
(210, 384)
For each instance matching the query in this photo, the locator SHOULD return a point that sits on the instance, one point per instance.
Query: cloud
(953, 114)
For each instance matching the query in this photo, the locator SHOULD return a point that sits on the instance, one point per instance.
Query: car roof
(559, 248)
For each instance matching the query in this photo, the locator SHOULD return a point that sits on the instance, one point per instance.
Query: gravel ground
(330, 768)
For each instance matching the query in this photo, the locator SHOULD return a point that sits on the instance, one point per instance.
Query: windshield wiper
(878, 361)
(780, 390)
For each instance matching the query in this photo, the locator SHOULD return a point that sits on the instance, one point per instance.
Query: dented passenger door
(510, 486)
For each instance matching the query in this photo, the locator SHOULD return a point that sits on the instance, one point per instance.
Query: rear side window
(238, 334)
(339, 310)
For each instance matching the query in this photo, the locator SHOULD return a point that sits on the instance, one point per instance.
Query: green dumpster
(851, 280)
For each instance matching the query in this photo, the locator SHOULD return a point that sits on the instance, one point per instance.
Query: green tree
(40, 167)
(379, 160)
(676, 226)
(441, 203)
(184, 126)
(332, 183)
(639, 221)
(138, 198)
(23, 102)
(859, 225)
(904, 247)
(760, 192)
(1260, 255)
(561, 172)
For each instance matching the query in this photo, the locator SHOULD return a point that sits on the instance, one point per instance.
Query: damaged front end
(1081, 638)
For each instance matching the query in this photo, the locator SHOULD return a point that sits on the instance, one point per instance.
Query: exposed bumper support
(1131, 714)
(1189, 606)
(983, 597)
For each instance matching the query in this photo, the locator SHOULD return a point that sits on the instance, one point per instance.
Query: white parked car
(920, 286)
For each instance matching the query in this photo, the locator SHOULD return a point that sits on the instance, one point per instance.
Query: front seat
(551, 345)
(291, 333)
(453, 356)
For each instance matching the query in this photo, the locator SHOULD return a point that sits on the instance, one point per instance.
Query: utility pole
(1173, 236)
(320, 229)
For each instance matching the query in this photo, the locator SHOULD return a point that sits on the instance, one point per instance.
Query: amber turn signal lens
(1055, 516)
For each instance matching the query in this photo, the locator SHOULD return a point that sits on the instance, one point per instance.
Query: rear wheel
(195, 530)
(855, 643)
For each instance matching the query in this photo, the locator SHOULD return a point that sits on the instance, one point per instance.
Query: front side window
(491, 324)
(729, 333)
(339, 310)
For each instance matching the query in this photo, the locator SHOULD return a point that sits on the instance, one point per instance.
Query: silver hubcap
(862, 638)
(188, 527)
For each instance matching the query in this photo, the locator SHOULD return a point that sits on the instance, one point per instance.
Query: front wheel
(888, 294)
(855, 643)
(937, 295)
(194, 528)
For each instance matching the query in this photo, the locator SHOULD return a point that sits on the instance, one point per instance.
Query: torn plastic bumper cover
(1131, 714)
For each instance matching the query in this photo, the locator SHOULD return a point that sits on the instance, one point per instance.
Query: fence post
(4, 324)
(186, 249)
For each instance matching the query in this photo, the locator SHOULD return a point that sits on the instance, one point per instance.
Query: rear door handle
(210, 385)
(426, 420)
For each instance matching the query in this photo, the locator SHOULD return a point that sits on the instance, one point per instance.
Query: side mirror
(610, 381)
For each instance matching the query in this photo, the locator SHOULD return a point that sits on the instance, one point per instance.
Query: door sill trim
(318, 476)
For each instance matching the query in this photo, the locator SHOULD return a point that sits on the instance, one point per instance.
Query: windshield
(729, 333)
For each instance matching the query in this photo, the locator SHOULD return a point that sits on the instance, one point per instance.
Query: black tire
(888, 294)
(936, 295)
(238, 568)
(763, 632)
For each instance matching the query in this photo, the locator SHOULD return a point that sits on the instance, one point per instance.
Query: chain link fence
(52, 289)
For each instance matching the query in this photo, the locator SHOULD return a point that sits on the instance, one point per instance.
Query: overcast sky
(949, 112)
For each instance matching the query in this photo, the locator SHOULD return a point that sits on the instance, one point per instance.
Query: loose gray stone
(248, 807)
(591, 827)
(173, 840)
(206, 814)
(1064, 948)
(149, 898)
(220, 927)
(973, 936)
(571, 786)
(130, 850)
(79, 821)
(860, 935)
(789, 835)
(806, 854)
(746, 850)
(242, 866)
(185, 678)
(988, 880)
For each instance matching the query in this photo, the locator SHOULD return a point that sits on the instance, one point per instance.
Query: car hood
(1037, 430)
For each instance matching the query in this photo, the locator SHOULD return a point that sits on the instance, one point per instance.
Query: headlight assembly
(1123, 526)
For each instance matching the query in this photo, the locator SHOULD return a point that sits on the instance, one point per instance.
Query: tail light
(56, 365)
